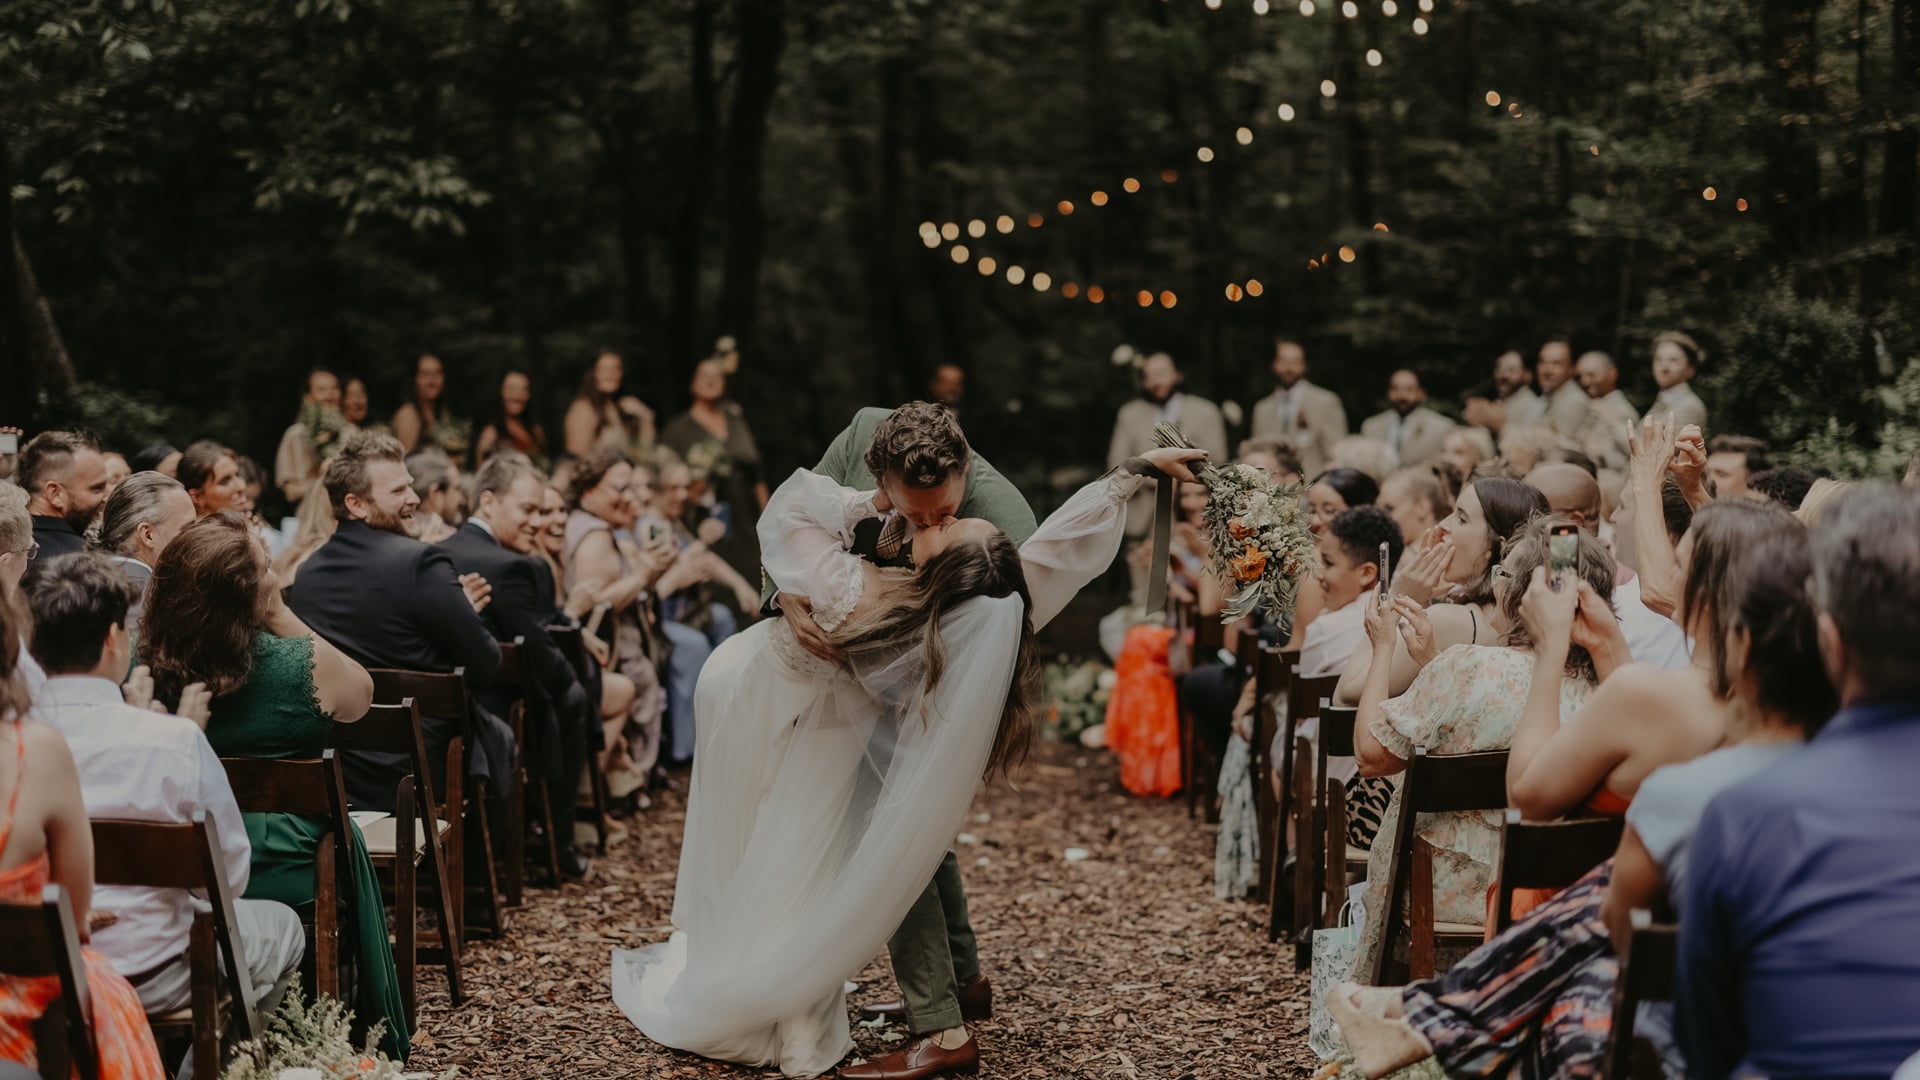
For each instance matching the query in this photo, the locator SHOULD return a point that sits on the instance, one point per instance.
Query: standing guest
(1417, 498)
(117, 469)
(1465, 449)
(436, 482)
(314, 433)
(713, 435)
(1408, 427)
(1566, 405)
(948, 386)
(156, 457)
(1676, 359)
(425, 420)
(510, 425)
(604, 418)
(216, 618)
(141, 518)
(1732, 460)
(355, 405)
(1514, 404)
(1161, 401)
(66, 484)
(1787, 485)
(211, 474)
(1300, 414)
(45, 840)
(1799, 955)
(388, 601)
(497, 543)
(139, 766)
(1605, 437)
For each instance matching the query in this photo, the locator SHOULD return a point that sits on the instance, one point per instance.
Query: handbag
(1335, 951)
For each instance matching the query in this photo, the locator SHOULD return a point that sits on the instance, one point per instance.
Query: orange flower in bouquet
(1250, 566)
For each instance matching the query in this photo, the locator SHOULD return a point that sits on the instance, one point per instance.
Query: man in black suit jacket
(389, 601)
(496, 543)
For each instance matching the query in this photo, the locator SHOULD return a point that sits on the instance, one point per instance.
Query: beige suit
(1311, 429)
(1605, 437)
(1420, 438)
(1524, 408)
(1685, 407)
(1196, 417)
(1567, 410)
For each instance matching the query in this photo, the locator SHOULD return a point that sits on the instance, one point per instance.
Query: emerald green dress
(278, 715)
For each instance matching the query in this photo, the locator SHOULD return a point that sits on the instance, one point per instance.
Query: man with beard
(389, 601)
(1567, 405)
(1414, 431)
(1308, 418)
(1162, 401)
(66, 483)
(1514, 404)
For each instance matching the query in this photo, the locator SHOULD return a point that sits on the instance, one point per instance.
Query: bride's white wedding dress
(823, 797)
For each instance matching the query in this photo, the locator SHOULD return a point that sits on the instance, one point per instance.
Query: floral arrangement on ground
(1257, 533)
(1076, 696)
(314, 1041)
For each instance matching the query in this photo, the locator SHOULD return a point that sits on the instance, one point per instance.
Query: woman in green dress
(214, 615)
(712, 437)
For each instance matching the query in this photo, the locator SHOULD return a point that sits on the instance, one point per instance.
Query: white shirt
(36, 679)
(1170, 411)
(1651, 638)
(1290, 405)
(1332, 639)
(144, 766)
(1674, 393)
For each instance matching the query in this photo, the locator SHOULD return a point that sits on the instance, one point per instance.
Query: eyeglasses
(30, 551)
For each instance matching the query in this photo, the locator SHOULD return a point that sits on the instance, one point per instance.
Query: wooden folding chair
(153, 855)
(1548, 855)
(310, 788)
(1434, 784)
(1647, 974)
(568, 639)
(1323, 817)
(42, 943)
(400, 842)
(530, 790)
(1304, 695)
(1273, 675)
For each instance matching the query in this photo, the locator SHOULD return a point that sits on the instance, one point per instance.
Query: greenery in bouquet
(454, 434)
(708, 460)
(316, 1035)
(326, 428)
(1257, 533)
(1076, 697)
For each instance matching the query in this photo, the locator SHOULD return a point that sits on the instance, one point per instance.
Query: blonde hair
(1818, 497)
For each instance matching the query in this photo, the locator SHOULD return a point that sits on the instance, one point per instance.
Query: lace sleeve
(804, 536)
(1077, 542)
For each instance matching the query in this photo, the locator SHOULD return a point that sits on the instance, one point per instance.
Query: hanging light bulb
(1740, 205)
(1350, 9)
(1286, 113)
(976, 228)
(1143, 298)
(931, 239)
(1034, 219)
(1233, 292)
(1069, 290)
(1042, 282)
(1493, 97)
(987, 266)
(1260, 7)
(1015, 275)
(1709, 194)
(949, 231)
(1003, 224)
(1389, 8)
(1167, 299)
(1380, 226)
(1099, 198)
(1065, 207)
(1347, 254)
(1327, 89)
(1243, 136)
(960, 254)
(1130, 185)
(1420, 27)
(1254, 288)
(1205, 154)
(1096, 294)
(1168, 176)
(1373, 58)
(1306, 7)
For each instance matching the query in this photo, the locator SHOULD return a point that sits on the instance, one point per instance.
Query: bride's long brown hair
(992, 568)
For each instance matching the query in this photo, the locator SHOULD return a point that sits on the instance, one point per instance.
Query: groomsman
(1567, 406)
(1514, 405)
(1162, 401)
(1304, 416)
(1676, 359)
(1605, 436)
(1415, 432)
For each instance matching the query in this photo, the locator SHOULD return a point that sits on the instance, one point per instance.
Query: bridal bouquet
(1257, 533)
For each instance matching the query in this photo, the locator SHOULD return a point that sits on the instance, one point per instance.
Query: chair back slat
(43, 941)
(1549, 855)
(512, 671)
(1336, 730)
(567, 639)
(1435, 784)
(440, 695)
(390, 728)
(1209, 635)
(1646, 974)
(311, 787)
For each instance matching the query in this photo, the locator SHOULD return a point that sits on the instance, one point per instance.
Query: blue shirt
(1800, 946)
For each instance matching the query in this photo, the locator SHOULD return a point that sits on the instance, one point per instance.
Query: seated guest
(214, 616)
(157, 457)
(1273, 457)
(65, 479)
(1799, 955)
(117, 470)
(141, 518)
(497, 543)
(1676, 360)
(1787, 485)
(617, 690)
(1333, 492)
(1652, 639)
(1538, 998)
(1367, 455)
(45, 839)
(211, 474)
(1470, 698)
(137, 765)
(388, 601)
(1408, 427)
(1418, 499)
(1822, 494)
(436, 482)
(1464, 450)
(1731, 460)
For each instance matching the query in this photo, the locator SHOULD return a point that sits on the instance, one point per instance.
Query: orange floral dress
(127, 1050)
(1143, 716)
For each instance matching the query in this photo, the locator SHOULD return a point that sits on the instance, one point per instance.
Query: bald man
(1604, 435)
(1574, 494)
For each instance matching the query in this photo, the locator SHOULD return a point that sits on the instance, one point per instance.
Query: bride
(825, 795)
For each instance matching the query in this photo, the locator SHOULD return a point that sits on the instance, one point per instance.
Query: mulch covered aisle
(1121, 965)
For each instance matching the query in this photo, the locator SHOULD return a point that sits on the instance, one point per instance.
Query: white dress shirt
(143, 766)
(1652, 638)
(1290, 406)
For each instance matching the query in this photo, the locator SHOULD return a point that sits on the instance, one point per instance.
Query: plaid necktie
(892, 536)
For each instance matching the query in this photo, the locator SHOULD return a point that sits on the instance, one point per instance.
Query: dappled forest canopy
(211, 196)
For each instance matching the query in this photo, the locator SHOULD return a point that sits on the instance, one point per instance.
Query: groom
(917, 457)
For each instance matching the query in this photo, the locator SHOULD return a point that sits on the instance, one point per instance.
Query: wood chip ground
(1121, 965)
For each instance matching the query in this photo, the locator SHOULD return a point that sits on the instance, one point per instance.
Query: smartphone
(1563, 553)
(9, 444)
(656, 532)
(1385, 556)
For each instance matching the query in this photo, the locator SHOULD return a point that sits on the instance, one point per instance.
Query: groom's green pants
(933, 952)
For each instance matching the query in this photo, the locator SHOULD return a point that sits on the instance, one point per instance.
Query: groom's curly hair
(920, 441)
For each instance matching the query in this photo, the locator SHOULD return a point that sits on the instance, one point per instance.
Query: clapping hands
(1423, 574)
(196, 702)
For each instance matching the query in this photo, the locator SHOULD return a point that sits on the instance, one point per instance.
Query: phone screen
(1563, 551)
(9, 444)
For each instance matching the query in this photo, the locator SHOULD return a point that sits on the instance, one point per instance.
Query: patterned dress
(125, 1043)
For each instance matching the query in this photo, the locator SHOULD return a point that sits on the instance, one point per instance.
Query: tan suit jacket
(1686, 408)
(1605, 437)
(1426, 430)
(1567, 410)
(1322, 421)
(1196, 417)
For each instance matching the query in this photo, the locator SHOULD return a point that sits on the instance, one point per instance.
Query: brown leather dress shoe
(976, 1003)
(922, 1059)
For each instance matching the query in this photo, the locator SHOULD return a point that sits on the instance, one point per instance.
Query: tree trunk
(1900, 177)
(683, 310)
(762, 38)
(1358, 147)
(1793, 98)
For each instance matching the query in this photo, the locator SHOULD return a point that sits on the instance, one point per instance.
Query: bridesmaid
(713, 437)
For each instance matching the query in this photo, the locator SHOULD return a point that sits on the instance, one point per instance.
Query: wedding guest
(1300, 414)
(1822, 494)
(1604, 438)
(65, 479)
(1525, 449)
(1162, 401)
(1408, 427)
(1676, 360)
(511, 426)
(1465, 449)
(253, 485)
(1731, 460)
(436, 483)
(117, 469)
(602, 417)
(1785, 484)
(45, 839)
(316, 431)
(618, 691)
(1368, 455)
(1272, 457)
(1336, 490)
(713, 432)
(156, 457)
(18, 549)
(425, 419)
(354, 403)
(1417, 498)
(313, 526)
(141, 518)
(137, 765)
(215, 616)
(1513, 406)
(211, 474)
(1796, 954)
(1566, 404)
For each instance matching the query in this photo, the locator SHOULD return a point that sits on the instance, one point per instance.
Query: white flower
(1108, 679)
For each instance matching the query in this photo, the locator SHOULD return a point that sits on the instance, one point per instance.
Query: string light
(1306, 7)
(960, 254)
(1426, 7)
(1285, 113)
(1003, 224)
(1205, 154)
(1350, 9)
(1213, 5)
(1327, 89)
(1070, 290)
(1099, 198)
(931, 239)
(1740, 205)
(1015, 275)
(1034, 219)
(1167, 299)
(1594, 150)
(1373, 57)
(1347, 254)
(987, 266)
(1234, 292)
(1254, 288)
(949, 232)
(1493, 98)
(1130, 185)
(1041, 282)
(1389, 8)
(1259, 7)
(1244, 136)
(1096, 294)
(1143, 298)
(1168, 176)
(1420, 27)
(1709, 194)
(1380, 226)
(1065, 207)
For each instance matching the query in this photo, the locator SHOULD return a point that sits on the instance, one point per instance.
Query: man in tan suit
(1414, 432)
(1162, 400)
(1611, 415)
(1514, 405)
(1304, 416)
(1676, 359)
(1567, 406)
